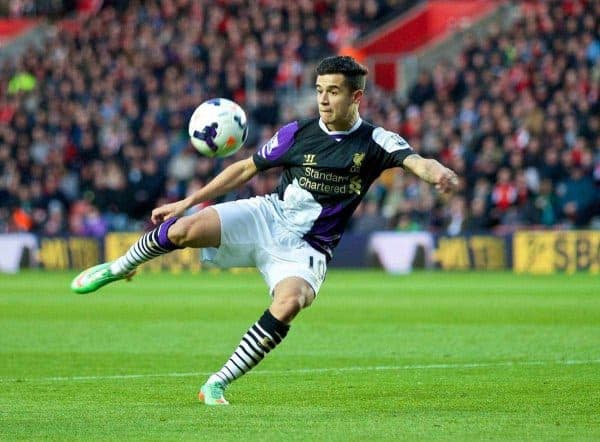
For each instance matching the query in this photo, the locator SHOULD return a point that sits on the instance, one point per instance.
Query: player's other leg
(202, 229)
(290, 296)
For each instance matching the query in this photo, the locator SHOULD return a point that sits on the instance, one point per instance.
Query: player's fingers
(157, 216)
(450, 181)
(446, 184)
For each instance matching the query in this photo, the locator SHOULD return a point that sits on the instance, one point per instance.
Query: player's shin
(149, 246)
(260, 339)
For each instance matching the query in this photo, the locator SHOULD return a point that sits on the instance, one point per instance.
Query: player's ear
(357, 95)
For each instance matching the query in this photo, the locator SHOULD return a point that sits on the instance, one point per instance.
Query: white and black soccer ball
(218, 128)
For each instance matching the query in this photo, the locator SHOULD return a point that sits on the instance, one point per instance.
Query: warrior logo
(309, 160)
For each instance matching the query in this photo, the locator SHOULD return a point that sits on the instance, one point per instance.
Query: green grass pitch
(434, 356)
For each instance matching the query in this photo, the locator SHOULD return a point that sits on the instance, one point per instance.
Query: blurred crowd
(34, 8)
(93, 127)
(517, 115)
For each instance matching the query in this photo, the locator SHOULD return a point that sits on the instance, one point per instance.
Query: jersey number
(317, 266)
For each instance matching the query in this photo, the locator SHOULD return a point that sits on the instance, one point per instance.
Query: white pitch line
(313, 370)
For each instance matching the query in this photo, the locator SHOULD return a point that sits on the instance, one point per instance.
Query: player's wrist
(439, 171)
(189, 201)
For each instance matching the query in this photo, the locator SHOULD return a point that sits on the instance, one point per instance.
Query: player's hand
(448, 182)
(167, 211)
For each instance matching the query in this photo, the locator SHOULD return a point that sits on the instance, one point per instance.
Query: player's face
(338, 105)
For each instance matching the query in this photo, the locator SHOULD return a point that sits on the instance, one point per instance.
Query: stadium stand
(93, 126)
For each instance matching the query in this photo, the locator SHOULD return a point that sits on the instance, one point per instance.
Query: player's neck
(343, 126)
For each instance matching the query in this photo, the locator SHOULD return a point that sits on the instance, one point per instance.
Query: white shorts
(252, 235)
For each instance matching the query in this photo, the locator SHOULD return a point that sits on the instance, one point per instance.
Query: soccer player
(328, 164)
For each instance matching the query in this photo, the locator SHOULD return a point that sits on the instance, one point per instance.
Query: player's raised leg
(290, 296)
(202, 229)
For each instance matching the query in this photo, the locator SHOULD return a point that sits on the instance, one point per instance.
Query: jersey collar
(340, 132)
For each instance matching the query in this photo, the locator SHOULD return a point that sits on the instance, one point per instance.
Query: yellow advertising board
(481, 252)
(69, 253)
(117, 244)
(556, 252)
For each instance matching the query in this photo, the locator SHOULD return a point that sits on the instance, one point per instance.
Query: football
(218, 128)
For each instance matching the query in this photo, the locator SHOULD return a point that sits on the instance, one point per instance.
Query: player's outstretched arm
(430, 170)
(230, 178)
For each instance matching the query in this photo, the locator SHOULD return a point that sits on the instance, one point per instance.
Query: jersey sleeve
(273, 153)
(395, 148)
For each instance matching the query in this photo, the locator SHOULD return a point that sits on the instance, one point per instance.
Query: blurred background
(95, 97)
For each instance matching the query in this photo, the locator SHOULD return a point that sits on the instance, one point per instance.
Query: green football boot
(212, 394)
(95, 277)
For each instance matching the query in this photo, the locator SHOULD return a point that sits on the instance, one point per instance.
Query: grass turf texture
(378, 357)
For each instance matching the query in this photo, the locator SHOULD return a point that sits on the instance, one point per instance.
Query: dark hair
(354, 72)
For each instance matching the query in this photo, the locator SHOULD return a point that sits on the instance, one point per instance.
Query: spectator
(546, 204)
(577, 197)
(106, 114)
(504, 193)
(456, 216)
(478, 220)
(370, 219)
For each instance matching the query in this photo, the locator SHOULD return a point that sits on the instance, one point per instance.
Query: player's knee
(306, 299)
(202, 229)
(304, 296)
(295, 301)
(179, 232)
(285, 307)
(291, 296)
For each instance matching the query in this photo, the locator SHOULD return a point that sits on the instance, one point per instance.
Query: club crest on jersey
(309, 159)
(357, 160)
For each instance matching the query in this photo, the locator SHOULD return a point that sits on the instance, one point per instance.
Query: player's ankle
(214, 379)
(117, 270)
